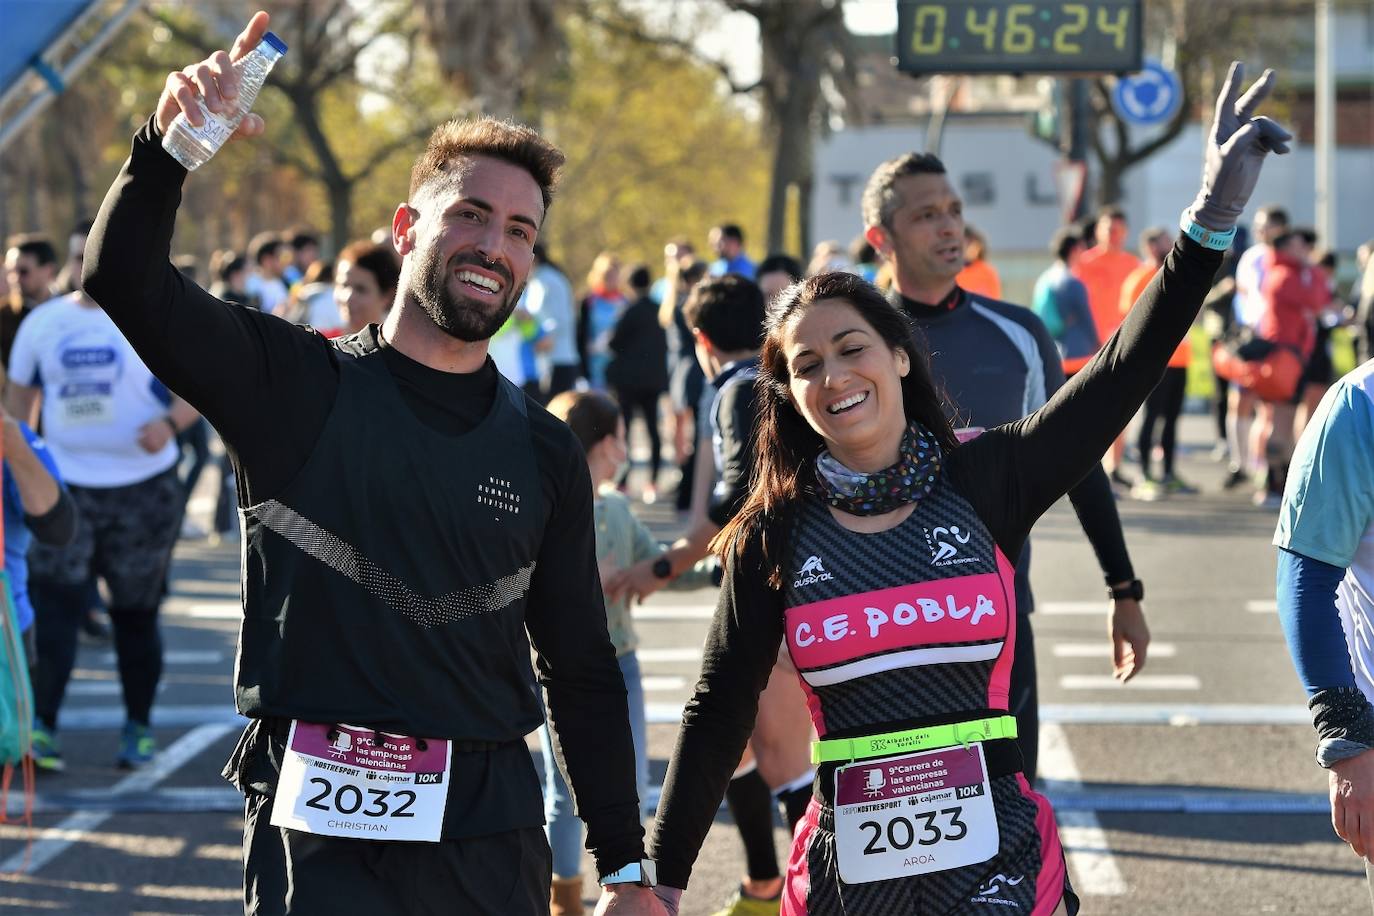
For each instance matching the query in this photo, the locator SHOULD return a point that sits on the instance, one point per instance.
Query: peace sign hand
(1236, 148)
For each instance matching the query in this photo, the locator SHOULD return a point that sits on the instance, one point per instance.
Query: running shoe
(1270, 501)
(136, 746)
(46, 752)
(1149, 491)
(1176, 487)
(742, 905)
(1120, 479)
(1235, 478)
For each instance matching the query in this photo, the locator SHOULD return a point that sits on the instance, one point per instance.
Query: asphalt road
(1190, 791)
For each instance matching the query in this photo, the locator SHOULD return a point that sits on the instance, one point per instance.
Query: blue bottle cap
(275, 42)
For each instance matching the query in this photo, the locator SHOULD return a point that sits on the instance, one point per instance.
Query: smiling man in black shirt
(413, 523)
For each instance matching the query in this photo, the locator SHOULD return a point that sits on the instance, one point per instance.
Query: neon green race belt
(929, 738)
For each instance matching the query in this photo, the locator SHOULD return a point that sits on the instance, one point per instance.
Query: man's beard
(465, 317)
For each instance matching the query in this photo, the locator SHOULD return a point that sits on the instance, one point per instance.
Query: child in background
(621, 541)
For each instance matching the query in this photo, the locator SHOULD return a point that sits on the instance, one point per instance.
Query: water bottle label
(215, 132)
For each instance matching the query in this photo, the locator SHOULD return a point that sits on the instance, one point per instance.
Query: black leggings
(137, 642)
(1164, 404)
(645, 401)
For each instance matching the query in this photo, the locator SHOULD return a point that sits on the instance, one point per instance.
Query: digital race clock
(1003, 36)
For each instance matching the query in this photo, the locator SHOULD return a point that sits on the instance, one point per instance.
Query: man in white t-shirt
(111, 427)
(1325, 537)
(549, 300)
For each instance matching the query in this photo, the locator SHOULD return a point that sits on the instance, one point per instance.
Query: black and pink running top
(914, 625)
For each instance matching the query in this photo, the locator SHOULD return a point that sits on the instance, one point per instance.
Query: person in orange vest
(978, 276)
(1165, 403)
(1103, 269)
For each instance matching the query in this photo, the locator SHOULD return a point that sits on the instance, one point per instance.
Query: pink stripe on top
(967, 609)
(1049, 883)
(999, 684)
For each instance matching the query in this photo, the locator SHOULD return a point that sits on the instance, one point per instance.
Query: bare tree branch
(627, 30)
(386, 150)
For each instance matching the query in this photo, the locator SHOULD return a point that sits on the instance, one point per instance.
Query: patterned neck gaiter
(859, 493)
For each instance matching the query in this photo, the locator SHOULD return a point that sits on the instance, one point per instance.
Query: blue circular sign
(1148, 97)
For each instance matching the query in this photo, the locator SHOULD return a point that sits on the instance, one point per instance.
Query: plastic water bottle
(193, 146)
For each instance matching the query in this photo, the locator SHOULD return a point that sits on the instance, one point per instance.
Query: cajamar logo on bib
(811, 572)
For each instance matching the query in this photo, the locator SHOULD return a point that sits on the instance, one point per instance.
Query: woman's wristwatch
(643, 873)
(1134, 590)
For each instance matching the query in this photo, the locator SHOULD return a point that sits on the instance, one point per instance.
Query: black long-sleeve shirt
(1010, 475)
(996, 362)
(268, 387)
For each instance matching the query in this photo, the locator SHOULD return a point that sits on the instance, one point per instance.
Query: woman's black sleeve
(1013, 473)
(741, 648)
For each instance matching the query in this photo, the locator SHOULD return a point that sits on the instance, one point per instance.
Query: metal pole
(69, 70)
(944, 96)
(1325, 139)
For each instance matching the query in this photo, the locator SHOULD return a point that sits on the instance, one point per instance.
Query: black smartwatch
(662, 568)
(1134, 590)
(644, 873)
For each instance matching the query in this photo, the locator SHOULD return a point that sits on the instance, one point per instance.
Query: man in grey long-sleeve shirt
(996, 364)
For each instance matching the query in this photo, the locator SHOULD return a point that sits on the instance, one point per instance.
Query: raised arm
(265, 385)
(1055, 447)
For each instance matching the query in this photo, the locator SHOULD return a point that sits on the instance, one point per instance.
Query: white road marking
(202, 586)
(654, 683)
(94, 689)
(1176, 714)
(1139, 682)
(1065, 796)
(179, 657)
(1079, 608)
(1103, 649)
(674, 612)
(53, 842)
(1180, 714)
(94, 718)
(220, 610)
(97, 718)
(1085, 842)
(1086, 608)
(659, 656)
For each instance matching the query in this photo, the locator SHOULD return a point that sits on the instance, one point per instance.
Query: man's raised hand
(213, 80)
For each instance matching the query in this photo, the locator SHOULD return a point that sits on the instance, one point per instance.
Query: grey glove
(1235, 151)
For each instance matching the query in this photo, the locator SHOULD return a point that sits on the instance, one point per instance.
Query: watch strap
(642, 872)
(1207, 238)
(1134, 590)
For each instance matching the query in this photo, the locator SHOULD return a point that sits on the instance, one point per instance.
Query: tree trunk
(792, 154)
(777, 193)
(1109, 187)
(340, 213)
